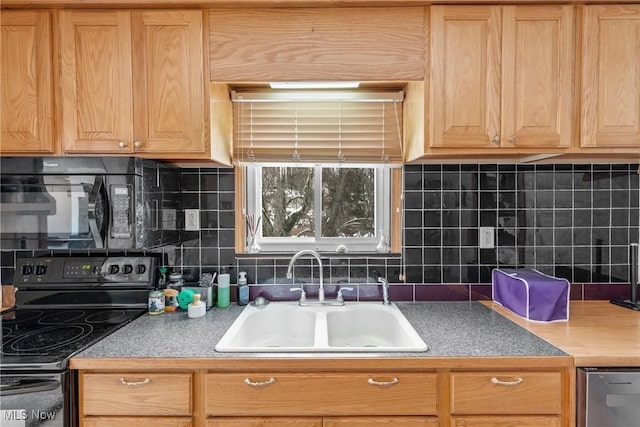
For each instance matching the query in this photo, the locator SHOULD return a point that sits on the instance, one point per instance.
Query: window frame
(383, 211)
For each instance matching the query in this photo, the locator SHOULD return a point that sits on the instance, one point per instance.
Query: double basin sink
(353, 327)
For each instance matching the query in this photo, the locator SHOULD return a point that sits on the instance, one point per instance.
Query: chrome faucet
(385, 290)
(317, 257)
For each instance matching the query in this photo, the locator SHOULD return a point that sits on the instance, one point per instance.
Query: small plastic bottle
(196, 308)
(224, 299)
(162, 280)
(243, 289)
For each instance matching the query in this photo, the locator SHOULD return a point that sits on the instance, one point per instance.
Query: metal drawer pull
(271, 380)
(395, 380)
(124, 381)
(500, 382)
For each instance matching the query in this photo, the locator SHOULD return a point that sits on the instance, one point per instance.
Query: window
(319, 207)
(320, 168)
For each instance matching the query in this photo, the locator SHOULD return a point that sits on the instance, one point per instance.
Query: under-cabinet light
(314, 85)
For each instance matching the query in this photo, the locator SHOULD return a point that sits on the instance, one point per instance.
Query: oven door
(53, 211)
(38, 399)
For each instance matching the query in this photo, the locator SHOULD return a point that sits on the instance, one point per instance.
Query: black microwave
(88, 203)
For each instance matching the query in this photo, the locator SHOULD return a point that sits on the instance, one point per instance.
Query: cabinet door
(169, 82)
(95, 81)
(26, 115)
(537, 76)
(264, 422)
(380, 421)
(507, 421)
(611, 76)
(465, 76)
(137, 421)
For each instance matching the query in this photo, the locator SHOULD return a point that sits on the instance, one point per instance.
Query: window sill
(330, 255)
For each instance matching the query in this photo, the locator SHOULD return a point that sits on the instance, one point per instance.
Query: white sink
(354, 327)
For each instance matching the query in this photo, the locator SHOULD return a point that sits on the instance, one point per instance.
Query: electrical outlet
(192, 219)
(169, 219)
(487, 237)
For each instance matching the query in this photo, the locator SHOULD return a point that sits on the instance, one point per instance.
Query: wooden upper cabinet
(501, 76)
(169, 82)
(133, 82)
(321, 44)
(465, 77)
(96, 81)
(537, 76)
(611, 76)
(26, 92)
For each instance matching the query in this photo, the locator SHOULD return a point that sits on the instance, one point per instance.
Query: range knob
(27, 269)
(127, 268)
(113, 269)
(41, 270)
(141, 269)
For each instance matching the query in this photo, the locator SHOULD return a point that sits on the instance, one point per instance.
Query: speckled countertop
(450, 329)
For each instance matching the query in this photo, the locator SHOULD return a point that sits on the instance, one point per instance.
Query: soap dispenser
(243, 289)
(197, 308)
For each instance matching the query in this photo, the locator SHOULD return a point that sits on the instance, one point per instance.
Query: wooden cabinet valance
(372, 44)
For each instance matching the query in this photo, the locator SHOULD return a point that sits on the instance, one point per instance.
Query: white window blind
(269, 128)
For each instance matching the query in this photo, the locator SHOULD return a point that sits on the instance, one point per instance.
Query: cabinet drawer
(381, 393)
(506, 393)
(264, 422)
(506, 421)
(380, 422)
(130, 421)
(136, 394)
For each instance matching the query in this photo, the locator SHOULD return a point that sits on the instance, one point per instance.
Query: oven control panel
(125, 270)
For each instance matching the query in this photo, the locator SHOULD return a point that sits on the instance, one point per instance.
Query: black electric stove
(46, 339)
(63, 305)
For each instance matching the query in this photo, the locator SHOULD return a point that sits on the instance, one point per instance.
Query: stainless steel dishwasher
(608, 397)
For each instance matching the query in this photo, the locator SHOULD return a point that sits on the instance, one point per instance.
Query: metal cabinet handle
(126, 382)
(496, 139)
(518, 380)
(395, 380)
(122, 144)
(137, 144)
(271, 380)
(513, 139)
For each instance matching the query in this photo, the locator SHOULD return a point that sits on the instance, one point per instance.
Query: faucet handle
(385, 290)
(339, 297)
(303, 295)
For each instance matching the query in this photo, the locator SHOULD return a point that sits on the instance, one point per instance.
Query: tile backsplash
(572, 221)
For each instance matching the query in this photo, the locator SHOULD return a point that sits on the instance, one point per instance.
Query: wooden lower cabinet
(136, 421)
(322, 422)
(125, 399)
(380, 421)
(506, 398)
(505, 421)
(264, 422)
(455, 397)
